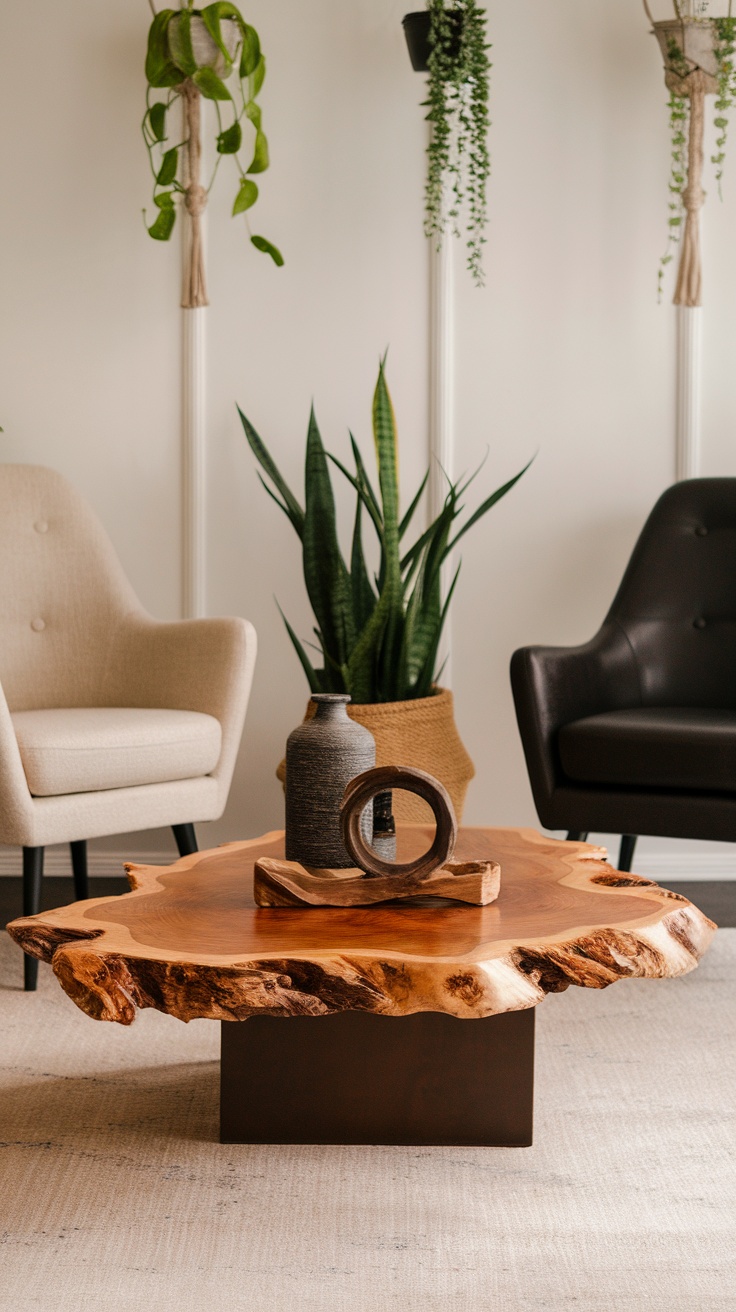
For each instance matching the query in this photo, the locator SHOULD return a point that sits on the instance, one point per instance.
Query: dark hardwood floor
(716, 897)
(55, 892)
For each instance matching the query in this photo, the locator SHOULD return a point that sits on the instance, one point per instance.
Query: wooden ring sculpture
(361, 791)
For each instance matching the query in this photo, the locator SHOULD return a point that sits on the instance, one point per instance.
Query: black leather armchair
(635, 732)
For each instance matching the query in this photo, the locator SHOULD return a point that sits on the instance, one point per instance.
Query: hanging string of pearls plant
(448, 41)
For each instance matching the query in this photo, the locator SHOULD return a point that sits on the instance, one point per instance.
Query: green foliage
(724, 52)
(679, 108)
(268, 248)
(378, 636)
(679, 116)
(234, 87)
(458, 159)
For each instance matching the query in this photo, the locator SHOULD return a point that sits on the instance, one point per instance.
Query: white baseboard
(664, 867)
(668, 867)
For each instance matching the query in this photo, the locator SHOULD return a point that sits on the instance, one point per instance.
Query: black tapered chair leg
(577, 836)
(186, 839)
(79, 869)
(626, 851)
(32, 876)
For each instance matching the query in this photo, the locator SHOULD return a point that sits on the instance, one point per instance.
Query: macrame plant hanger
(194, 283)
(692, 86)
(194, 304)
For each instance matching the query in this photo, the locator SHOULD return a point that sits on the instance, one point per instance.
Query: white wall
(565, 352)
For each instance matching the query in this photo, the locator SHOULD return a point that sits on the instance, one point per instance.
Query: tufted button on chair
(109, 720)
(635, 732)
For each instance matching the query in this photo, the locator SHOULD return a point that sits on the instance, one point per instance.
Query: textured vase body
(322, 756)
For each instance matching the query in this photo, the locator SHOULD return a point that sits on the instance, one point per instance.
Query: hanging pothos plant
(699, 52)
(453, 34)
(211, 53)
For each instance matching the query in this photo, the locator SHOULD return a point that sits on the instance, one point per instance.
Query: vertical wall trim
(442, 401)
(688, 383)
(193, 462)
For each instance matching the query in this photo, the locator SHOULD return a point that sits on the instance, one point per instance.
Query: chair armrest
(553, 686)
(16, 804)
(192, 665)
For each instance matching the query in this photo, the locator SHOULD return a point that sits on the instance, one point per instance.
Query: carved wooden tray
(288, 884)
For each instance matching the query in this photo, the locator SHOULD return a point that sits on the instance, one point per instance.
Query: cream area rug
(116, 1195)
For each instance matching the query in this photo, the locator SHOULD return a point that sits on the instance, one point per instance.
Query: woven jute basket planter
(420, 733)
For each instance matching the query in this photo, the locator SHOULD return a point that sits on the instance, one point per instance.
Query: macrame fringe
(689, 289)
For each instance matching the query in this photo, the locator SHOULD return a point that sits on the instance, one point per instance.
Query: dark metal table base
(358, 1078)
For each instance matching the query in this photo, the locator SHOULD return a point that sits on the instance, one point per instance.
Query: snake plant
(378, 637)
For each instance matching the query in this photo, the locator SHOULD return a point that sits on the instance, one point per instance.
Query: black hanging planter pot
(416, 31)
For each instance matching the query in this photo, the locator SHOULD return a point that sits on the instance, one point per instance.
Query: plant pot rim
(678, 23)
(197, 13)
(441, 696)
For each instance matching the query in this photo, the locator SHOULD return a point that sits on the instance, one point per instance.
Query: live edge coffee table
(398, 1024)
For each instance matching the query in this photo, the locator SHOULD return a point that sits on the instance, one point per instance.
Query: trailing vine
(724, 53)
(679, 114)
(171, 65)
(459, 162)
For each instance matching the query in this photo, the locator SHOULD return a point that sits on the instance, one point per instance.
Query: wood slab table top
(188, 939)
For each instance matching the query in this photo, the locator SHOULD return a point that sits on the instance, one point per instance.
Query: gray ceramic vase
(322, 756)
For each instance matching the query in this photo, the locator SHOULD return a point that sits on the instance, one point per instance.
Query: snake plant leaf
(362, 473)
(212, 16)
(258, 76)
(384, 434)
(268, 248)
(180, 43)
(363, 663)
(169, 165)
(272, 494)
(260, 451)
(438, 526)
(247, 196)
(423, 617)
(428, 676)
(160, 70)
(406, 521)
(211, 86)
(486, 506)
(364, 598)
(250, 52)
(325, 572)
(364, 491)
(163, 226)
(333, 676)
(157, 120)
(229, 141)
(260, 160)
(313, 679)
(411, 656)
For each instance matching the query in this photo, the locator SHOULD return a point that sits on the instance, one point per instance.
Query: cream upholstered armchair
(109, 721)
